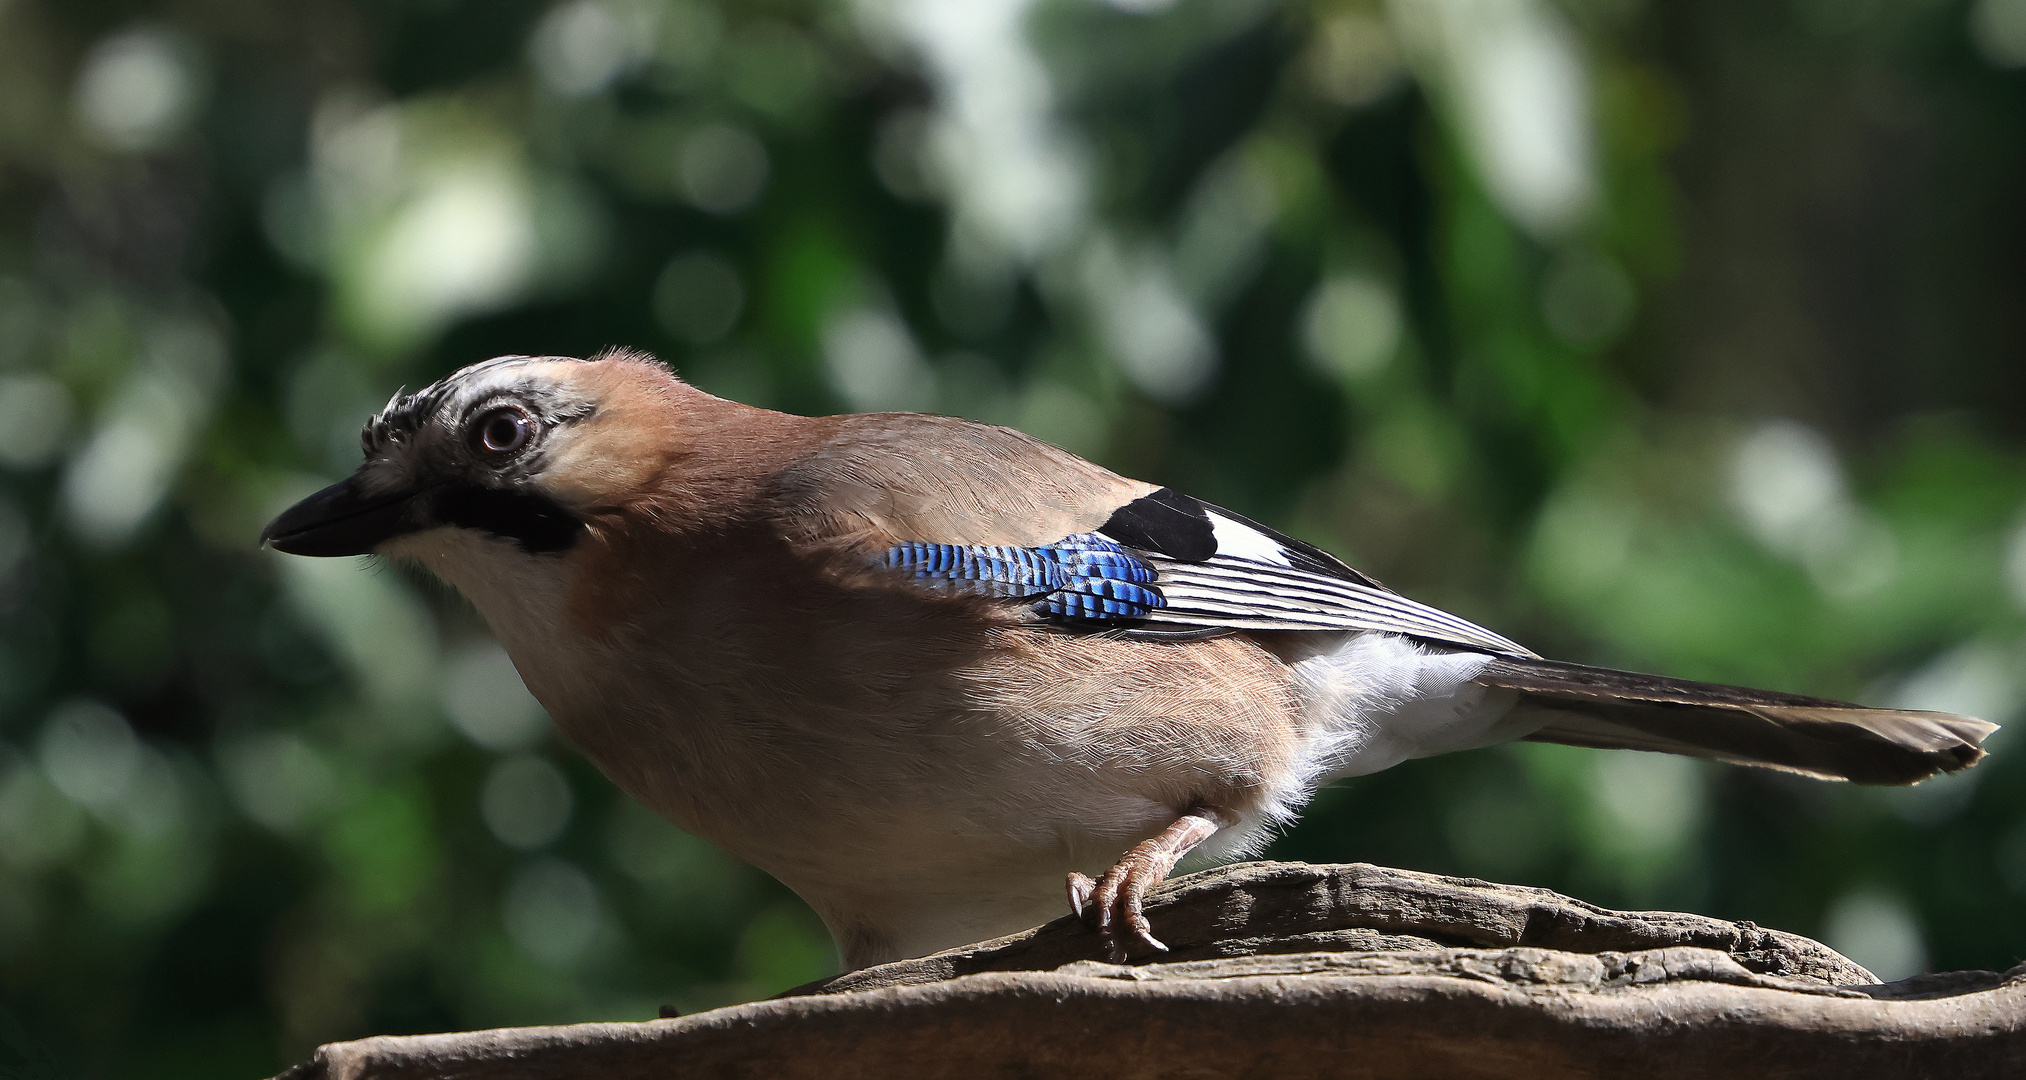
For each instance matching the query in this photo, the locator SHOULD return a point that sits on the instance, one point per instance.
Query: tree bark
(1289, 970)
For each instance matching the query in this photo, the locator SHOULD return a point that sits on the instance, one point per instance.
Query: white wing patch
(1238, 541)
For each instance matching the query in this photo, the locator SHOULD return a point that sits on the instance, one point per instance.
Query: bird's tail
(1830, 740)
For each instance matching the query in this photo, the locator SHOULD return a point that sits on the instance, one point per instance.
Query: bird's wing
(1167, 565)
(970, 509)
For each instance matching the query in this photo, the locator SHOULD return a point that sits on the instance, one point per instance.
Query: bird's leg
(1115, 903)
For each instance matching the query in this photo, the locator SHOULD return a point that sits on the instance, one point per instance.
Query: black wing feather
(1165, 522)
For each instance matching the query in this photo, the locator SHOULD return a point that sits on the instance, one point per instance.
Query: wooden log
(1290, 970)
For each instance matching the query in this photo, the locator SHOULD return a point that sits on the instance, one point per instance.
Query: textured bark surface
(1288, 970)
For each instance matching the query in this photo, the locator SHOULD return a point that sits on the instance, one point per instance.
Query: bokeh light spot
(137, 89)
(1351, 325)
(525, 801)
(722, 168)
(552, 911)
(699, 297)
(485, 699)
(1879, 931)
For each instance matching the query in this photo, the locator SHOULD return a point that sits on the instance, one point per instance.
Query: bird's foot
(1115, 904)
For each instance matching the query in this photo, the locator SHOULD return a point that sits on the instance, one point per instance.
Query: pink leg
(1121, 894)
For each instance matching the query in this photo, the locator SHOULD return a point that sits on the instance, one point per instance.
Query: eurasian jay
(924, 671)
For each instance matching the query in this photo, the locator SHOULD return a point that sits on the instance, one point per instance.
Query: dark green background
(1741, 399)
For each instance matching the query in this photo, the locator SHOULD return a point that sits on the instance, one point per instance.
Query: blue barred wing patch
(1081, 578)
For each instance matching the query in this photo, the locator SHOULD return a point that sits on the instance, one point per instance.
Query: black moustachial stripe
(1166, 522)
(537, 523)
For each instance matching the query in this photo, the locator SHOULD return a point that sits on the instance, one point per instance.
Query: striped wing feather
(1247, 595)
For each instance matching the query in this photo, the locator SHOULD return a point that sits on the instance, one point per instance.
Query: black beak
(343, 520)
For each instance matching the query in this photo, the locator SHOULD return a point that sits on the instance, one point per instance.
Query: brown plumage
(924, 670)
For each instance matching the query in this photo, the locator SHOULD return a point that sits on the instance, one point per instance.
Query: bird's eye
(502, 431)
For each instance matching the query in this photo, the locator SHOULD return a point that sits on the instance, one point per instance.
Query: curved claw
(1140, 880)
(1081, 889)
(1115, 904)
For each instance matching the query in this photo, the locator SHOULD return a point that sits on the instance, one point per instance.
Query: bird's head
(517, 452)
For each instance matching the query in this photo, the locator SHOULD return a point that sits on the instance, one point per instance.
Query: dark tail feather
(1831, 740)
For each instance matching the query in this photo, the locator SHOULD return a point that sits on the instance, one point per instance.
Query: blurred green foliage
(1678, 335)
